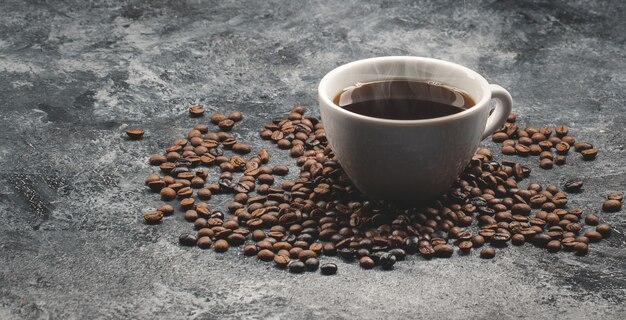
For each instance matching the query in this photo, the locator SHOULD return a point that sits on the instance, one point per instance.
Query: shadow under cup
(410, 161)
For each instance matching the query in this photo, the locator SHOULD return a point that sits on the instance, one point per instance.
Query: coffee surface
(403, 100)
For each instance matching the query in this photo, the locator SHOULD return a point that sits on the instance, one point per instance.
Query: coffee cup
(409, 161)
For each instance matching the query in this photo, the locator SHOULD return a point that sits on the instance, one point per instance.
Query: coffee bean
(573, 185)
(328, 269)
(581, 248)
(153, 217)
(559, 160)
(582, 146)
(398, 253)
(554, 246)
(296, 266)
(220, 245)
(280, 170)
(499, 137)
(604, 229)
(281, 261)
(204, 242)
(561, 130)
(241, 148)
(465, 245)
(187, 239)
(518, 239)
(611, 206)
(521, 150)
(487, 253)
(134, 133)
(226, 124)
(311, 264)
(166, 209)
(478, 241)
(615, 196)
(444, 250)
(235, 116)
(156, 159)
(562, 147)
(250, 250)
(508, 150)
(217, 117)
(168, 194)
(546, 164)
(306, 254)
(593, 236)
(366, 262)
(386, 261)
(265, 255)
(196, 111)
(592, 219)
(589, 154)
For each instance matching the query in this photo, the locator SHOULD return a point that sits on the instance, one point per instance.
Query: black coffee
(403, 100)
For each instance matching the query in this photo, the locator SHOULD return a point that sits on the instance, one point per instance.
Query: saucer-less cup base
(410, 161)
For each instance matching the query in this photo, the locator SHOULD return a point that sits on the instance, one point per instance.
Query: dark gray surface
(74, 74)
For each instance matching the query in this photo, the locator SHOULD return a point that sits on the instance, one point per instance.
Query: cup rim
(476, 108)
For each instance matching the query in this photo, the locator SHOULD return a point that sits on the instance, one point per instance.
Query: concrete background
(74, 74)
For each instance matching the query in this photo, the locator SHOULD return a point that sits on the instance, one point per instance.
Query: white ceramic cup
(408, 160)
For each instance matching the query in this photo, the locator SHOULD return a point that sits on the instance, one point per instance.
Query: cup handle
(504, 102)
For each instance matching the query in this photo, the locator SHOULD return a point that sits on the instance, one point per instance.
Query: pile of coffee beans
(541, 141)
(293, 223)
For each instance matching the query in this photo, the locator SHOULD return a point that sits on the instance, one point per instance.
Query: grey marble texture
(74, 74)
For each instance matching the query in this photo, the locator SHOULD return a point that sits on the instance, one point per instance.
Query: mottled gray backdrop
(74, 74)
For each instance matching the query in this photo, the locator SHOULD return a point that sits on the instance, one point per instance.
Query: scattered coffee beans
(538, 141)
(296, 222)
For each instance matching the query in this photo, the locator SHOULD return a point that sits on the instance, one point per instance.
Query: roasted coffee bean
(398, 253)
(611, 206)
(281, 261)
(241, 148)
(204, 242)
(196, 111)
(465, 245)
(604, 229)
(615, 196)
(554, 246)
(386, 261)
(312, 264)
(226, 125)
(235, 116)
(296, 266)
(366, 262)
(280, 170)
(593, 236)
(166, 209)
(168, 194)
(592, 219)
(153, 217)
(573, 185)
(328, 269)
(478, 241)
(546, 164)
(581, 248)
(487, 253)
(217, 117)
(188, 239)
(589, 154)
(582, 146)
(265, 255)
(220, 245)
(134, 133)
(518, 239)
(444, 250)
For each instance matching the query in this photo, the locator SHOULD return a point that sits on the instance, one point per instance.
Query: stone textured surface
(74, 74)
